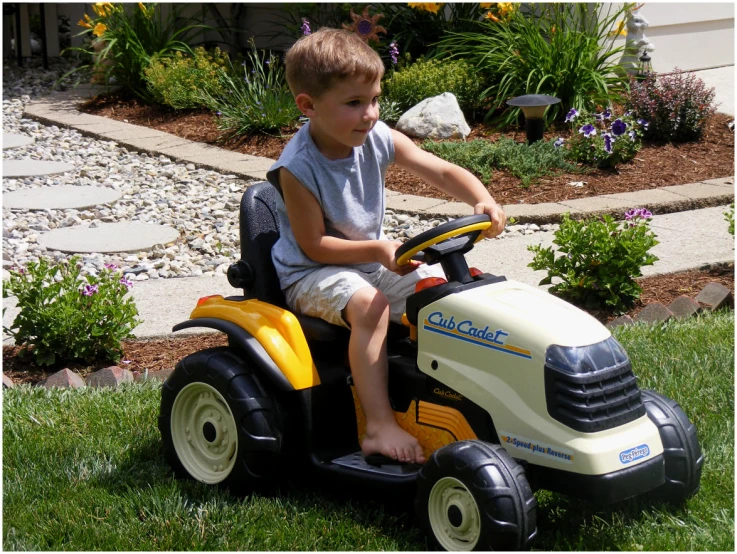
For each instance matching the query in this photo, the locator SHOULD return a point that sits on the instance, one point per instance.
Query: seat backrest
(259, 229)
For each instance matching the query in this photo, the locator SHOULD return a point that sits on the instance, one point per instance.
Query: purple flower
(588, 130)
(644, 123)
(637, 212)
(606, 114)
(618, 127)
(89, 290)
(125, 281)
(607, 142)
(218, 113)
(632, 135)
(628, 113)
(111, 266)
(571, 115)
(305, 28)
(558, 143)
(394, 52)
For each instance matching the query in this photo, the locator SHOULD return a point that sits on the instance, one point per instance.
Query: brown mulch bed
(656, 165)
(156, 355)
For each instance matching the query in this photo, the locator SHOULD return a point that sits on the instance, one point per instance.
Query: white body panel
(488, 343)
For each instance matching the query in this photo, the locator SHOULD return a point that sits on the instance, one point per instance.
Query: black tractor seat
(255, 272)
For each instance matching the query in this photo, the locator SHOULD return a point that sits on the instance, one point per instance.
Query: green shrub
(675, 107)
(389, 110)
(600, 260)
(603, 140)
(125, 37)
(558, 49)
(67, 316)
(253, 97)
(527, 162)
(178, 81)
(427, 78)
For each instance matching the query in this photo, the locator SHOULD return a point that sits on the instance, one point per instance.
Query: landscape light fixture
(533, 106)
(645, 67)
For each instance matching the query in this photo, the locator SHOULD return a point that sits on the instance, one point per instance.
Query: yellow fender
(277, 330)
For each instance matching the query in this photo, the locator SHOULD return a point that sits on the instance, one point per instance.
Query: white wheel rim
(454, 515)
(204, 433)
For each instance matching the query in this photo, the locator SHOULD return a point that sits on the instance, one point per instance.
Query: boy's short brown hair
(316, 61)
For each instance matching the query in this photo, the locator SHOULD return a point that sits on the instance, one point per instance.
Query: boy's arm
(451, 179)
(307, 222)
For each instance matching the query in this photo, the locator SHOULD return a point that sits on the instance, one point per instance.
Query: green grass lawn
(84, 470)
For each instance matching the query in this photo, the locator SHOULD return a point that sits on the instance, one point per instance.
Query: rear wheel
(472, 495)
(218, 422)
(681, 450)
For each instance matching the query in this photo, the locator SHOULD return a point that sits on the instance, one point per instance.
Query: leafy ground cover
(656, 165)
(84, 470)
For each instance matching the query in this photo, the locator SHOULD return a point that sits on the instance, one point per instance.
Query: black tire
(211, 396)
(681, 450)
(472, 478)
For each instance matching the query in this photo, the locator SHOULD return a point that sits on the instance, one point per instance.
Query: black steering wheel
(469, 227)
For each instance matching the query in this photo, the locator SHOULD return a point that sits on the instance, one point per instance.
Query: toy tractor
(508, 389)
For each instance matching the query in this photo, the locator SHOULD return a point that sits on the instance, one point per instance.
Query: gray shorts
(325, 292)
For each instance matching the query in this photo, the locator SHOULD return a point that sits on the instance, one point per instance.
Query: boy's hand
(497, 215)
(386, 257)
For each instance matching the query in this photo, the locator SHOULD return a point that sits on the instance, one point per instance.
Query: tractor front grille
(595, 401)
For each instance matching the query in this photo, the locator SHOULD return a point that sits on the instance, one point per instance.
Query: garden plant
(124, 38)
(178, 80)
(253, 96)
(603, 140)
(676, 106)
(597, 261)
(564, 50)
(67, 316)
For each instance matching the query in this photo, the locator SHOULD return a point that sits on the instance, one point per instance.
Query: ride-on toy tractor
(508, 389)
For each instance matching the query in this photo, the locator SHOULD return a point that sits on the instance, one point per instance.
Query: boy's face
(343, 116)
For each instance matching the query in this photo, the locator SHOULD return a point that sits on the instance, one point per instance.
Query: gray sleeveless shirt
(350, 192)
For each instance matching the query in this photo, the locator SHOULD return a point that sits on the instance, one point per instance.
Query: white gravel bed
(201, 204)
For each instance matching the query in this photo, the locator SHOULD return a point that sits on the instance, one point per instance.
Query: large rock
(438, 117)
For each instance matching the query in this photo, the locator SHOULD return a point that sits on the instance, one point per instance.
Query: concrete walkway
(689, 221)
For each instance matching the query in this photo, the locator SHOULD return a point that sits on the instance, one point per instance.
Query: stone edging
(60, 109)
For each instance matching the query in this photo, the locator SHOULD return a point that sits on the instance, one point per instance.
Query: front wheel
(681, 450)
(218, 423)
(472, 495)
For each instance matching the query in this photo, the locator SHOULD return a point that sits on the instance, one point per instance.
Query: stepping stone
(64, 379)
(654, 313)
(109, 377)
(33, 168)
(684, 307)
(59, 198)
(108, 237)
(11, 140)
(715, 296)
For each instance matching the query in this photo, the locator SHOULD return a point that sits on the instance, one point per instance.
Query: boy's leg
(368, 314)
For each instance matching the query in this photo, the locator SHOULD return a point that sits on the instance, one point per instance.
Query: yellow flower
(620, 30)
(485, 5)
(505, 8)
(431, 7)
(99, 29)
(102, 8)
(491, 16)
(83, 23)
(143, 8)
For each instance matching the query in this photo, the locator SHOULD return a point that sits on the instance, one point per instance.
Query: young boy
(332, 258)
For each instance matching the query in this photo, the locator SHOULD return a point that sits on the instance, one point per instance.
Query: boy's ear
(305, 103)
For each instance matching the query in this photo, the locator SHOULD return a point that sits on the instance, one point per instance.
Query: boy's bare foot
(392, 441)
